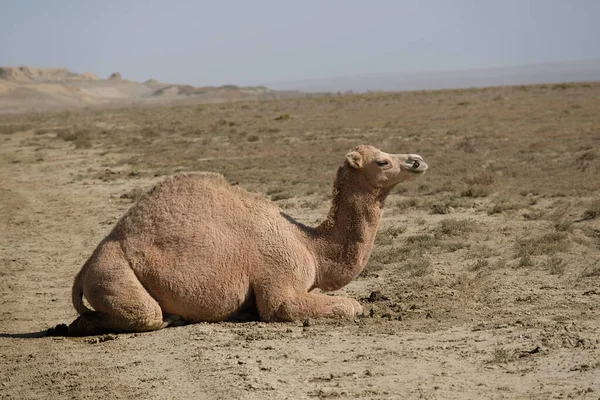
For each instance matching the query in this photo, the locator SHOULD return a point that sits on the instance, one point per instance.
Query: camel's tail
(77, 293)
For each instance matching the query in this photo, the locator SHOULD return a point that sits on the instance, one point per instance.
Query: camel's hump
(183, 179)
(185, 182)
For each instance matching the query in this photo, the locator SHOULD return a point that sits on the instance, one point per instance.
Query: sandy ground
(513, 333)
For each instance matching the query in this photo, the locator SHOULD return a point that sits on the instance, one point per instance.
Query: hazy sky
(262, 41)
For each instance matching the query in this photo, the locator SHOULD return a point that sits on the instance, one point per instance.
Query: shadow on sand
(58, 330)
(27, 335)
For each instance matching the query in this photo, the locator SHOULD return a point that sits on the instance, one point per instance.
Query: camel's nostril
(416, 164)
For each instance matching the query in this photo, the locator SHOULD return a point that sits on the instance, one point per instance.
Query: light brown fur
(200, 249)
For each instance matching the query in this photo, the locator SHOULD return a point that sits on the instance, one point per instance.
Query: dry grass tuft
(451, 247)
(500, 355)
(477, 191)
(480, 264)
(441, 208)
(386, 236)
(592, 211)
(283, 117)
(454, 227)
(525, 261)
(502, 206)
(80, 138)
(549, 243)
(422, 241)
(406, 203)
(417, 265)
(483, 179)
(555, 265)
(388, 255)
(7, 129)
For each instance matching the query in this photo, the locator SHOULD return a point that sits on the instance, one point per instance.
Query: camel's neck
(343, 242)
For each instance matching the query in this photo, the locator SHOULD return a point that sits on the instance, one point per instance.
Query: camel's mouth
(416, 166)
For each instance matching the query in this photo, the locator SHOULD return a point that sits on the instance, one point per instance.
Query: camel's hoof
(358, 310)
(172, 320)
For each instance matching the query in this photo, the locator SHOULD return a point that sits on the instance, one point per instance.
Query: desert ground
(484, 281)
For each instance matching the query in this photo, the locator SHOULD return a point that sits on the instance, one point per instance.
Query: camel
(196, 249)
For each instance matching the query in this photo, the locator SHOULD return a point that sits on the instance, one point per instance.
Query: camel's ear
(354, 159)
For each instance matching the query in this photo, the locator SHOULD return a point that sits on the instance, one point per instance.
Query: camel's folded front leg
(305, 305)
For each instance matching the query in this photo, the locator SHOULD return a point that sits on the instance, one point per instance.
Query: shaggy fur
(199, 249)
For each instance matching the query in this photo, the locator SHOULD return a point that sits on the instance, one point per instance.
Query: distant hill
(518, 75)
(26, 88)
(30, 75)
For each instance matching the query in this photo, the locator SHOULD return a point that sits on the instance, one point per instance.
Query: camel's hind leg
(122, 304)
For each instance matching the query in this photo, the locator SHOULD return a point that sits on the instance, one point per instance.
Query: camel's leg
(122, 304)
(278, 307)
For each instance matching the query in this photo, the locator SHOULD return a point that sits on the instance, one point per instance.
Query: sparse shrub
(534, 215)
(149, 131)
(480, 251)
(455, 246)
(455, 227)
(311, 204)
(592, 211)
(417, 266)
(477, 191)
(389, 255)
(564, 225)
(500, 356)
(525, 261)
(562, 86)
(387, 235)
(584, 160)
(372, 267)
(134, 194)
(14, 128)
(269, 130)
(503, 205)
(548, 243)
(422, 241)
(44, 131)
(466, 145)
(252, 138)
(283, 117)
(395, 230)
(591, 272)
(448, 204)
(80, 138)
(479, 264)
(498, 208)
(440, 208)
(407, 203)
(483, 178)
(382, 240)
(555, 265)
(281, 196)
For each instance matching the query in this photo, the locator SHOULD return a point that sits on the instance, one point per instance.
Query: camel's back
(192, 204)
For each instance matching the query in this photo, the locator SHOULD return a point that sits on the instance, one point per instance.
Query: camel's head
(384, 170)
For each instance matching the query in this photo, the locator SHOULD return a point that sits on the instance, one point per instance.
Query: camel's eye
(382, 163)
